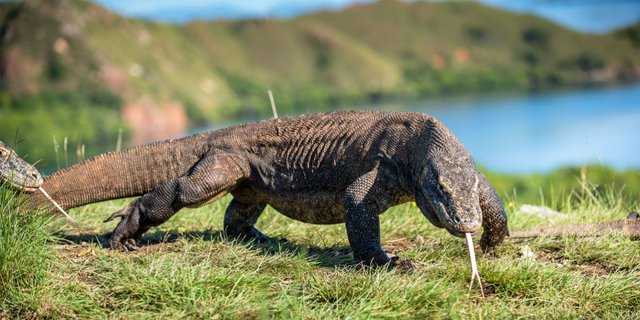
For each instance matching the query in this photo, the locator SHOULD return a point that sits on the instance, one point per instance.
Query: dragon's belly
(311, 196)
(317, 208)
(311, 207)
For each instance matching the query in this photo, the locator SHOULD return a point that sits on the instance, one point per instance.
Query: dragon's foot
(129, 230)
(377, 258)
(126, 245)
(491, 239)
(251, 234)
(393, 263)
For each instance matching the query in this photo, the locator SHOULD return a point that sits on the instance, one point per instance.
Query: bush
(536, 37)
(587, 62)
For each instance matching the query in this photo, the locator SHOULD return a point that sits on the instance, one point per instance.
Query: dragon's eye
(4, 152)
(442, 186)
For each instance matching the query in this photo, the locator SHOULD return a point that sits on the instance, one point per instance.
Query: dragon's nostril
(455, 219)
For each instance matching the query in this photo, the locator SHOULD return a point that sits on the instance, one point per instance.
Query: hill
(630, 33)
(71, 68)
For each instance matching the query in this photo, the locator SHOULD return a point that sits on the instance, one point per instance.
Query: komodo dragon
(326, 168)
(17, 173)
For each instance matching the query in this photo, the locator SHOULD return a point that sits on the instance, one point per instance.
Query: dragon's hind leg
(211, 178)
(239, 220)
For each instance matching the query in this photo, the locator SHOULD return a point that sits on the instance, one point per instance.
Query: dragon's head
(448, 193)
(17, 173)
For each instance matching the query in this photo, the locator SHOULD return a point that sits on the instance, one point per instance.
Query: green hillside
(71, 68)
(630, 33)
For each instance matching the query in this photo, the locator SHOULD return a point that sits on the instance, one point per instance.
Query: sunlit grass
(25, 254)
(187, 269)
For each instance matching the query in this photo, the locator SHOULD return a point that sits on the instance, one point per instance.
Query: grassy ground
(187, 269)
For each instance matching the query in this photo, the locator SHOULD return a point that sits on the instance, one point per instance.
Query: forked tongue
(474, 266)
(55, 204)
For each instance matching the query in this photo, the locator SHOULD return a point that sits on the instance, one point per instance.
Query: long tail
(628, 227)
(129, 173)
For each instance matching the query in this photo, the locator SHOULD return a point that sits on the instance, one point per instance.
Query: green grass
(187, 269)
(25, 255)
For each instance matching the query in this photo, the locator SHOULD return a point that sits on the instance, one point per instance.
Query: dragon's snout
(460, 221)
(33, 182)
(458, 226)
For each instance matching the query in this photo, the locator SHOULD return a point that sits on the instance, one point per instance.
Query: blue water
(539, 132)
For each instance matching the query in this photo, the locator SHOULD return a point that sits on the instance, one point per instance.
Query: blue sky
(186, 10)
(596, 16)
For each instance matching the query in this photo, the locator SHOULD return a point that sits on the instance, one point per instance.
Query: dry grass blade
(273, 105)
(474, 266)
(57, 205)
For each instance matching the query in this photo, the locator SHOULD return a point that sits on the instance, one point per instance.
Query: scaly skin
(327, 168)
(17, 173)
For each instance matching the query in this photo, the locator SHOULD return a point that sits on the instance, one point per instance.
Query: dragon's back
(305, 163)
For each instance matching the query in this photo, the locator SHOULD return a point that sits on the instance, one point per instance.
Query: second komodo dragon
(326, 168)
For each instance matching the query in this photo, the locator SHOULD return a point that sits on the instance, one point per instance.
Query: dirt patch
(115, 79)
(438, 61)
(403, 244)
(590, 268)
(156, 247)
(151, 121)
(83, 257)
(462, 55)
